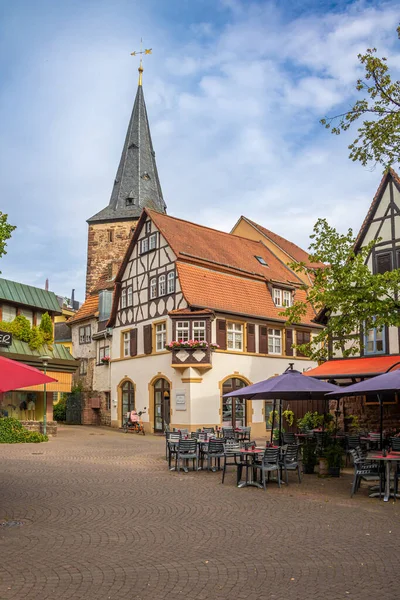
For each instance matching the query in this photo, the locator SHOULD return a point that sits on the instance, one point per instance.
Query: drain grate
(11, 523)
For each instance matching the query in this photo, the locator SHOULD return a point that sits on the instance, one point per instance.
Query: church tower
(136, 186)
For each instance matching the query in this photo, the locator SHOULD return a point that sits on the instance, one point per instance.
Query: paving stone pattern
(97, 515)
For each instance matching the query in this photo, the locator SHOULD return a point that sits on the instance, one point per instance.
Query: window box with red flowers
(106, 360)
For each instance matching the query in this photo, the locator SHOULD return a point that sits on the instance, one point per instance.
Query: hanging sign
(5, 338)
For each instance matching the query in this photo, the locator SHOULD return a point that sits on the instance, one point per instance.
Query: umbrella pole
(380, 399)
(273, 420)
(337, 411)
(280, 423)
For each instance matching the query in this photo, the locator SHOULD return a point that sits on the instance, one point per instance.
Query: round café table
(389, 459)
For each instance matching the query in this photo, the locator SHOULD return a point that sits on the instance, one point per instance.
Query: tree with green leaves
(348, 297)
(378, 138)
(5, 233)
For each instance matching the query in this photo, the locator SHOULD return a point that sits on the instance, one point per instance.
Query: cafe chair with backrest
(214, 451)
(365, 470)
(231, 455)
(228, 433)
(269, 464)
(395, 444)
(290, 461)
(187, 450)
(289, 438)
(351, 443)
(169, 448)
(208, 430)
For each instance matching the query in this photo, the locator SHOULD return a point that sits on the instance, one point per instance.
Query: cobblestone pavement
(103, 518)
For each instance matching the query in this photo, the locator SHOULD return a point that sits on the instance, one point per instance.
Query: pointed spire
(136, 183)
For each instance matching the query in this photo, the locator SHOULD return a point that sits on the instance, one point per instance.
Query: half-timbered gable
(149, 287)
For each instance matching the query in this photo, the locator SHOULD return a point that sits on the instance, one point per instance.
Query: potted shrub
(334, 456)
(309, 455)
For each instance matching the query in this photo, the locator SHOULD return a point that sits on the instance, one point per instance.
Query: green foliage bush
(12, 432)
(36, 337)
(46, 328)
(60, 410)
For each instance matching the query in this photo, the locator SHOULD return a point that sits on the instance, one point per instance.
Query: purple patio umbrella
(291, 385)
(388, 382)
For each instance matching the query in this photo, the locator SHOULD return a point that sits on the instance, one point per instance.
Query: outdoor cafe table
(391, 457)
(249, 466)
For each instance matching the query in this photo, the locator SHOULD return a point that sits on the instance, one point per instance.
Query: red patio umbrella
(15, 375)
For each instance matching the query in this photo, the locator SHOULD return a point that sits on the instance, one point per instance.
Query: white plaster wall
(203, 399)
(83, 350)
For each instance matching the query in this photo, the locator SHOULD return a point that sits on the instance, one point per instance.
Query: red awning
(366, 366)
(14, 375)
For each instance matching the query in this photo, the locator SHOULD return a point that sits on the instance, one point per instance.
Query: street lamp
(45, 361)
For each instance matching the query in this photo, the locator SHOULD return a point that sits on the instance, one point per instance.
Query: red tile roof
(220, 250)
(88, 309)
(225, 292)
(292, 250)
(191, 312)
(351, 367)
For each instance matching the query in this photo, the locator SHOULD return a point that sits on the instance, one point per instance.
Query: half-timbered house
(198, 287)
(380, 348)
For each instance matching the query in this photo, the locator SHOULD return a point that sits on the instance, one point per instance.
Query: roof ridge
(163, 215)
(257, 225)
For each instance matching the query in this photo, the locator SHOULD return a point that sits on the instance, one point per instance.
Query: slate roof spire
(136, 184)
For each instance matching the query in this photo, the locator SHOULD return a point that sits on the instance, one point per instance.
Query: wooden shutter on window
(263, 340)
(133, 342)
(289, 342)
(221, 333)
(251, 337)
(302, 337)
(147, 339)
(383, 262)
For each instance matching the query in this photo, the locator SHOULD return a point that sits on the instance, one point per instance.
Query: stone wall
(102, 251)
(51, 427)
(368, 414)
(95, 416)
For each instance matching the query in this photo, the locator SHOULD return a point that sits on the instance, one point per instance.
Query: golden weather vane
(140, 52)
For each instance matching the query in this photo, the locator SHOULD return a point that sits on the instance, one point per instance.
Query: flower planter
(323, 467)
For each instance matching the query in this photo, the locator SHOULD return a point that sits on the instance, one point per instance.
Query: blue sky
(234, 90)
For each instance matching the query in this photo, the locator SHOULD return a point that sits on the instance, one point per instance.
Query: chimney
(72, 298)
(46, 285)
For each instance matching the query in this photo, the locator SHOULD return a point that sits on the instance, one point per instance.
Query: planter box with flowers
(192, 353)
(105, 360)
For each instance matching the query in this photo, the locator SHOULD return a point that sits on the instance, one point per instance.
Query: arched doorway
(162, 404)
(233, 409)
(127, 398)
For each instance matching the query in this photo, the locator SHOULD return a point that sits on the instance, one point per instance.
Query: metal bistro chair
(208, 430)
(187, 450)
(269, 464)
(231, 455)
(365, 470)
(290, 461)
(214, 451)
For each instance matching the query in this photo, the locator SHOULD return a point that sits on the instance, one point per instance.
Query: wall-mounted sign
(180, 400)
(5, 338)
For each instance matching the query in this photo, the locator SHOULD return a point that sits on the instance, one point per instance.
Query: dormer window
(282, 297)
(262, 261)
(148, 226)
(145, 176)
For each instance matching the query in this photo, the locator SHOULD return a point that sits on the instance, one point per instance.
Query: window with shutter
(221, 333)
(251, 337)
(302, 337)
(263, 340)
(289, 342)
(147, 339)
(383, 262)
(133, 342)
